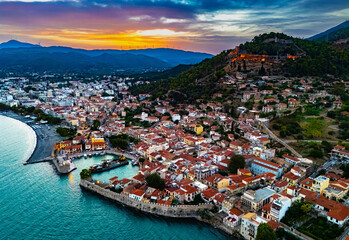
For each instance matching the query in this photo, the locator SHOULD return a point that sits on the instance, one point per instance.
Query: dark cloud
(217, 22)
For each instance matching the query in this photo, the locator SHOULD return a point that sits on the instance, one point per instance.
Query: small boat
(85, 155)
(134, 162)
(107, 165)
(90, 155)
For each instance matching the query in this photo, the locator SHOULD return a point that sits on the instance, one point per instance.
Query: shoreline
(45, 137)
(137, 207)
(32, 132)
(152, 215)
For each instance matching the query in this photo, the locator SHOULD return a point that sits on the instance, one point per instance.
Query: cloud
(206, 25)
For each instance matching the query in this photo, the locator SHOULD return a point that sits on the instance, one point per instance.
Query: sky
(207, 26)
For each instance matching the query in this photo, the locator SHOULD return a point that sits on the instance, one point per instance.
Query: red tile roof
(235, 211)
(209, 193)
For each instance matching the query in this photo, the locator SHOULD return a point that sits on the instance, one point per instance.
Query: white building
(249, 225)
(279, 208)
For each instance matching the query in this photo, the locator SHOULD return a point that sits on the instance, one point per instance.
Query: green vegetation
(335, 35)
(306, 207)
(235, 163)
(174, 201)
(66, 132)
(259, 46)
(265, 232)
(21, 110)
(311, 111)
(95, 125)
(155, 76)
(314, 128)
(287, 126)
(122, 141)
(320, 58)
(85, 173)
(283, 235)
(155, 181)
(185, 87)
(319, 228)
(313, 149)
(345, 168)
(296, 213)
(300, 127)
(197, 199)
(130, 120)
(343, 120)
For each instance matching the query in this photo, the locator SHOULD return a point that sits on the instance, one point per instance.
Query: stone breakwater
(179, 211)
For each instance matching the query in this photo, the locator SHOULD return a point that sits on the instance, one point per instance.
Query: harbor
(65, 163)
(108, 165)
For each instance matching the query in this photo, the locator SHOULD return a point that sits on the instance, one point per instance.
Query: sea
(37, 203)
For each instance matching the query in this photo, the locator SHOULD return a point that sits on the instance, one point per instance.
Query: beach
(46, 137)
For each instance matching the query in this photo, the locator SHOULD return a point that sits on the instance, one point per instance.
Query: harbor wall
(180, 211)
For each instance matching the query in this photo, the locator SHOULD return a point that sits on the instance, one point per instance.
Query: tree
(85, 173)
(306, 207)
(155, 181)
(66, 132)
(119, 143)
(141, 160)
(234, 113)
(174, 201)
(235, 163)
(95, 125)
(265, 232)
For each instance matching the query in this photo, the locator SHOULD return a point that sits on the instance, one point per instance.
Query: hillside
(200, 81)
(323, 35)
(340, 35)
(266, 54)
(158, 75)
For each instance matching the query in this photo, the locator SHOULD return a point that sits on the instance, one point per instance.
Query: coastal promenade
(179, 211)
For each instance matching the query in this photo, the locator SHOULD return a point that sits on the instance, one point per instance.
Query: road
(273, 136)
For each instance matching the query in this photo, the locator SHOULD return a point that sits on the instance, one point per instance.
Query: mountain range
(20, 56)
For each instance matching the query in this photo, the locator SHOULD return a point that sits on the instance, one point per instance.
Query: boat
(90, 155)
(85, 155)
(135, 162)
(107, 165)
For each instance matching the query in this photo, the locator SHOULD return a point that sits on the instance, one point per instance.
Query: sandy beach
(45, 134)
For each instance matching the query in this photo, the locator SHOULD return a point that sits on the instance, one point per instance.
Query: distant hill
(17, 44)
(35, 60)
(330, 34)
(19, 56)
(173, 57)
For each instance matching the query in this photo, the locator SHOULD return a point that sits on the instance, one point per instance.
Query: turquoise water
(36, 203)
